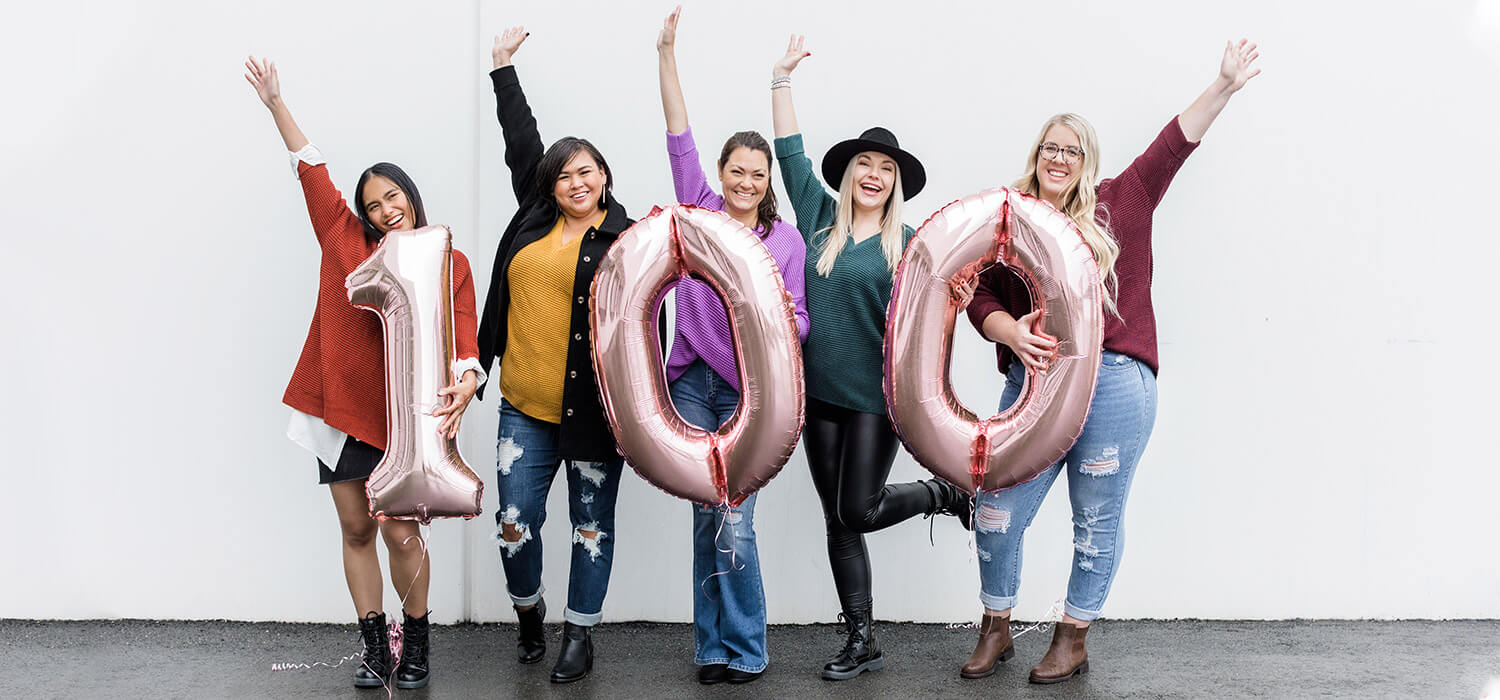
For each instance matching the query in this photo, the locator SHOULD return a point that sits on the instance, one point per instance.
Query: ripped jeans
(526, 464)
(1100, 468)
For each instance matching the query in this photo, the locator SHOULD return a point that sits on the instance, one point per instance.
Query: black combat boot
(376, 665)
(861, 652)
(413, 671)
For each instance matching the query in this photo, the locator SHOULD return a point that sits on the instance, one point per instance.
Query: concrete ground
(1192, 659)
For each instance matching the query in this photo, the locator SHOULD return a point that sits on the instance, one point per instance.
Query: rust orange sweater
(340, 376)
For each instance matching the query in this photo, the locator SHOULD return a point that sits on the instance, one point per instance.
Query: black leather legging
(850, 454)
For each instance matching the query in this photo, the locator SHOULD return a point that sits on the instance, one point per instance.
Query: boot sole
(1082, 669)
(368, 684)
(532, 659)
(874, 664)
(410, 685)
(1006, 655)
(560, 679)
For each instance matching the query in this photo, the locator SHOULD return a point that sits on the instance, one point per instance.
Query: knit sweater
(702, 326)
(1126, 205)
(340, 376)
(844, 356)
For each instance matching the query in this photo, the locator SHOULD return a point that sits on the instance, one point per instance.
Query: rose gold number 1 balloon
(1044, 247)
(719, 467)
(408, 281)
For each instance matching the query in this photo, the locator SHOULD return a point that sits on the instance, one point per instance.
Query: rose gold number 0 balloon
(408, 281)
(712, 468)
(951, 248)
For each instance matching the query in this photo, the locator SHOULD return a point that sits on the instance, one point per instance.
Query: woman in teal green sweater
(854, 242)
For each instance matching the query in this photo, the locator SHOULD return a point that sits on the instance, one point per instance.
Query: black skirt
(356, 462)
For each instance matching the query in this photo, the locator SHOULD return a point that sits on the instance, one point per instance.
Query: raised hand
(507, 44)
(667, 38)
(262, 76)
(1235, 68)
(794, 55)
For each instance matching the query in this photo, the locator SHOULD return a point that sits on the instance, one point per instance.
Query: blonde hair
(835, 236)
(1081, 203)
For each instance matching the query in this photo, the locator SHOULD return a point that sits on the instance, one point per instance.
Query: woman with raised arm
(854, 242)
(536, 322)
(337, 392)
(729, 603)
(1115, 218)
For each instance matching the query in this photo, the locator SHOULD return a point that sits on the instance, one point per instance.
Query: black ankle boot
(576, 657)
(413, 671)
(531, 642)
(376, 665)
(861, 652)
(948, 499)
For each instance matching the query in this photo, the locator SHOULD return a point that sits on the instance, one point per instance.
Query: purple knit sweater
(702, 325)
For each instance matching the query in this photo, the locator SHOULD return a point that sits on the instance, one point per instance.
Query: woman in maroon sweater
(337, 392)
(1115, 219)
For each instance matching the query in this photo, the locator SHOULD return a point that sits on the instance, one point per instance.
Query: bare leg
(361, 564)
(409, 573)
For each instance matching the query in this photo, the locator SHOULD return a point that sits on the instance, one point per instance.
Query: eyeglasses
(1070, 154)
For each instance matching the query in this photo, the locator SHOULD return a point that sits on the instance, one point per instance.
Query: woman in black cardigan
(536, 321)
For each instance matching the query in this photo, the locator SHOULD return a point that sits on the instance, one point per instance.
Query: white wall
(1321, 287)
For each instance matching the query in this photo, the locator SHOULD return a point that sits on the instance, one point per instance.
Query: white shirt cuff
(468, 363)
(309, 154)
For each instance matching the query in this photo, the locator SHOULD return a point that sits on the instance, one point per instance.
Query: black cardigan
(585, 433)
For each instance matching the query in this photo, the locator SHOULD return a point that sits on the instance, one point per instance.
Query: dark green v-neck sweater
(844, 355)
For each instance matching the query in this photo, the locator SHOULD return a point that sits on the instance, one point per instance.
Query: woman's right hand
(1035, 350)
(507, 44)
(262, 76)
(668, 35)
(794, 55)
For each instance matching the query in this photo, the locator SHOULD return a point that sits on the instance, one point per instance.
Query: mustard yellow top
(541, 307)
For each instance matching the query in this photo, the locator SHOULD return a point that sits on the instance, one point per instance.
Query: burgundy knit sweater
(340, 376)
(1126, 204)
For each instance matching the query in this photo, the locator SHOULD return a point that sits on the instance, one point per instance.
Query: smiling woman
(536, 321)
(850, 442)
(337, 391)
(729, 610)
(388, 200)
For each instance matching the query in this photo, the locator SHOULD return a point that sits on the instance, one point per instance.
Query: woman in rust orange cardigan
(337, 392)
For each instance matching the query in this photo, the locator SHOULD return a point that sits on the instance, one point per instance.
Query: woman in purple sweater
(729, 609)
(1115, 219)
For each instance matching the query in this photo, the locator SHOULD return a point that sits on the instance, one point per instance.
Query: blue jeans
(1101, 466)
(729, 603)
(526, 460)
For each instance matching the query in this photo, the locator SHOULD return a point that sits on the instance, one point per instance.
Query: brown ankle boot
(1066, 657)
(994, 646)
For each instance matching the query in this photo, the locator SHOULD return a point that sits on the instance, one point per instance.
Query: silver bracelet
(783, 81)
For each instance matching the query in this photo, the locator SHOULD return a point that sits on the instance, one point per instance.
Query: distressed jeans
(729, 602)
(1100, 467)
(526, 461)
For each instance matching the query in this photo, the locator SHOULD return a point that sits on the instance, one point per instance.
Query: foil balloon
(726, 466)
(1044, 247)
(408, 281)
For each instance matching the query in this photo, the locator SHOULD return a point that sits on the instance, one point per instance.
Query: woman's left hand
(457, 399)
(1235, 68)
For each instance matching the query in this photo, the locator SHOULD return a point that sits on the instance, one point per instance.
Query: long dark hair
(557, 157)
(765, 214)
(397, 176)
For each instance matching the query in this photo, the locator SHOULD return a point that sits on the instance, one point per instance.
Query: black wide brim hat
(881, 140)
